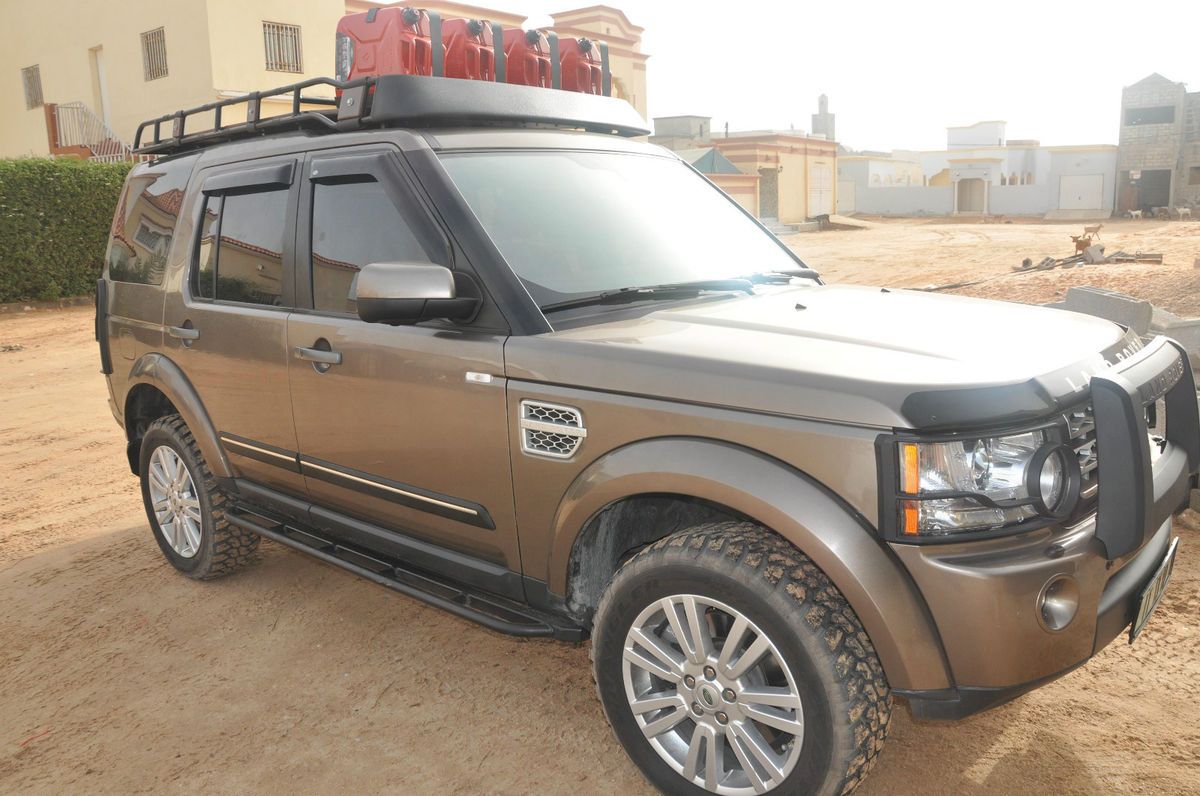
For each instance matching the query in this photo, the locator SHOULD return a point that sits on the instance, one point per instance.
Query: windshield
(573, 224)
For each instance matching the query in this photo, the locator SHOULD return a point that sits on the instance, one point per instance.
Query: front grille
(1081, 429)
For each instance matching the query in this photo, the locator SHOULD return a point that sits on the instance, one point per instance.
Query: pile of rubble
(1092, 255)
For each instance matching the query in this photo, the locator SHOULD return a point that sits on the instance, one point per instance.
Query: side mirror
(407, 293)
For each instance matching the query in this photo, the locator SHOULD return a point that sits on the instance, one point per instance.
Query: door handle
(183, 332)
(318, 355)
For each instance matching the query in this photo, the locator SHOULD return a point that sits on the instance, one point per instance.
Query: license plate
(1154, 591)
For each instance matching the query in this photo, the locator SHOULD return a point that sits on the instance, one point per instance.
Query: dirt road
(118, 675)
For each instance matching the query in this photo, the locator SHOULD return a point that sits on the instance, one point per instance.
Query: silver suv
(476, 343)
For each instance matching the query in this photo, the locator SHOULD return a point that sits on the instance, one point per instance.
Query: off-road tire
(846, 699)
(223, 548)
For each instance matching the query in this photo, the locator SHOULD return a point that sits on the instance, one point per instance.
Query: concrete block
(1185, 331)
(1111, 305)
(1094, 254)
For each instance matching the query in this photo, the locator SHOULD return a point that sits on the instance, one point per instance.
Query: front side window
(573, 224)
(354, 224)
(246, 262)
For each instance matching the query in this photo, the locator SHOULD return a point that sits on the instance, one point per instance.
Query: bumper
(1017, 657)
(985, 596)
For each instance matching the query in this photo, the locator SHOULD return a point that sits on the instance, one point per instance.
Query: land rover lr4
(477, 344)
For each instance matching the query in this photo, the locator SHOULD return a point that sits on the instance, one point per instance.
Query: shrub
(55, 216)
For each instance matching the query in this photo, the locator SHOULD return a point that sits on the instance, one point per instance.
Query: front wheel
(727, 662)
(186, 507)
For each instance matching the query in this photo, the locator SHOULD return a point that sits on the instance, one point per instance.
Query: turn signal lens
(910, 473)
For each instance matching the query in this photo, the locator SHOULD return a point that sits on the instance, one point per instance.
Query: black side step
(496, 613)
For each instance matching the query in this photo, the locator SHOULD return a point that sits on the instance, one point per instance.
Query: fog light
(1058, 603)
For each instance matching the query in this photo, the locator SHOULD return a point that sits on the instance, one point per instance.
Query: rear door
(408, 432)
(227, 325)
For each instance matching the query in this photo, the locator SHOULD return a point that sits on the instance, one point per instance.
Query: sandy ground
(118, 675)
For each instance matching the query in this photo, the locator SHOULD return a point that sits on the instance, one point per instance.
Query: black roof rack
(392, 101)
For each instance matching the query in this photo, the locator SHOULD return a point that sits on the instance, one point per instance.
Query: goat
(1184, 212)
(1093, 230)
(1134, 214)
(1082, 242)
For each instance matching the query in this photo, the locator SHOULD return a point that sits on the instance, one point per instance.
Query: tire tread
(748, 551)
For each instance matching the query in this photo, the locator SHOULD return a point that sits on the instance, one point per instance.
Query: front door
(227, 322)
(408, 432)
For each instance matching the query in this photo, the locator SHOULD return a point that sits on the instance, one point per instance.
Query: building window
(1164, 114)
(282, 45)
(1194, 175)
(154, 54)
(31, 77)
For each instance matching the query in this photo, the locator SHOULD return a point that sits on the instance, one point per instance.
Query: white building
(982, 172)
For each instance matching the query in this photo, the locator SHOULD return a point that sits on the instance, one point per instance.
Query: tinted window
(354, 224)
(246, 264)
(144, 223)
(207, 259)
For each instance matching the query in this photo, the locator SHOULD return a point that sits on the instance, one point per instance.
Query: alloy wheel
(713, 695)
(174, 501)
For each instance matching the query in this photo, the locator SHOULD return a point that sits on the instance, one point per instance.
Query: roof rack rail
(393, 101)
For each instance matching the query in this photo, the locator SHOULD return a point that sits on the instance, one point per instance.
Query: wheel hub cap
(174, 501)
(713, 695)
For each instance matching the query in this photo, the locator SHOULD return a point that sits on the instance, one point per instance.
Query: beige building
(785, 175)
(106, 67)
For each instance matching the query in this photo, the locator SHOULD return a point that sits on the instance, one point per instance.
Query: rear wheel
(728, 663)
(185, 506)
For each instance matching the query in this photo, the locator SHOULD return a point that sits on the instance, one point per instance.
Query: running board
(495, 613)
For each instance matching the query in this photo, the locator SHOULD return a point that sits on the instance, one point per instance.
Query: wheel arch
(723, 478)
(153, 380)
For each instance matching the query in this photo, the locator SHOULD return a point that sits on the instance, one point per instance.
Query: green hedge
(54, 221)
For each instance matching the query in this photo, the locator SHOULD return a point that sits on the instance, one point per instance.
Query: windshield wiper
(784, 276)
(668, 292)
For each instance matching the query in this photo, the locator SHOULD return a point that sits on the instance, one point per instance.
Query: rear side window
(144, 224)
(354, 224)
(240, 256)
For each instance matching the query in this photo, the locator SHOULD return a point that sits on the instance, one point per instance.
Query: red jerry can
(470, 53)
(386, 41)
(581, 67)
(527, 58)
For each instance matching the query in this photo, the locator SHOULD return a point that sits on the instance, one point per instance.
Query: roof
(1152, 79)
(707, 160)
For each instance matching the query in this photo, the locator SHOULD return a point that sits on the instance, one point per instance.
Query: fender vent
(551, 430)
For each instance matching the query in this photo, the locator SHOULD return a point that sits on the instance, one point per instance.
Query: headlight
(983, 484)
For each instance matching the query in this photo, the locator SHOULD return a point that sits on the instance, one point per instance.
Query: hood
(858, 355)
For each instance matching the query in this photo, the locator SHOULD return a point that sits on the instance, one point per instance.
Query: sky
(898, 73)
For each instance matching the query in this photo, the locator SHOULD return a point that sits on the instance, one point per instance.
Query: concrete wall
(916, 200)
(235, 30)
(1020, 200)
(742, 188)
(975, 135)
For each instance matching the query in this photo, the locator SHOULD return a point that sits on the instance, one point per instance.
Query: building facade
(106, 67)
(1159, 161)
(785, 175)
(982, 172)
